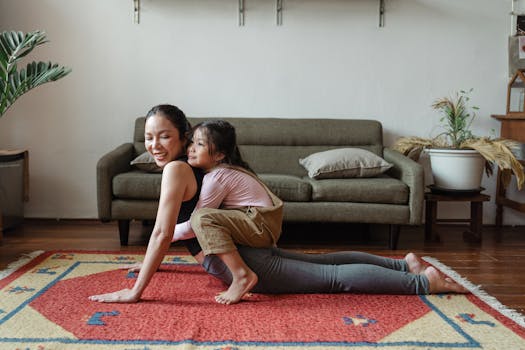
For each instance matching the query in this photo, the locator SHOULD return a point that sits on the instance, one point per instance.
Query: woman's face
(162, 140)
(199, 153)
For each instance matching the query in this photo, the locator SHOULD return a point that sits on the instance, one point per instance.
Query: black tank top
(187, 208)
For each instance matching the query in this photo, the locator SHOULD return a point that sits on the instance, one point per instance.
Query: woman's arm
(178, 184)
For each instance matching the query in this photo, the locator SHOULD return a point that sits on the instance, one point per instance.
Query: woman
(166, 133)
(278, 271)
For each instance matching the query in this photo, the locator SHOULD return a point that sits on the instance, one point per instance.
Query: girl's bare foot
(121, 296)
(441, 284)
(416, 265)
(237, 289)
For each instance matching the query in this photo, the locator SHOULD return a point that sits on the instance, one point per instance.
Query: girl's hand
(121, 296)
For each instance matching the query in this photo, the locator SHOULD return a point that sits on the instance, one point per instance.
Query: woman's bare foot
(237, 289)
(416, 265)
(441, 284)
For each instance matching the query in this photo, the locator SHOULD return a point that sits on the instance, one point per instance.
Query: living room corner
(308, 85)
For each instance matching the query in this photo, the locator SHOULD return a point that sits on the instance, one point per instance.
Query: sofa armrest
(412, 174)
(111, 164)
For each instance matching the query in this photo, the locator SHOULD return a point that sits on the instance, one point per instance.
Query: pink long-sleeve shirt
(226, 188)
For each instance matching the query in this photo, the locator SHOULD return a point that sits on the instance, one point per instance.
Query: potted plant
(457, 156)
(13, 83)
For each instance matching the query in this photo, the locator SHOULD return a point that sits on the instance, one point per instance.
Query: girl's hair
(221, 138)
(175, 116)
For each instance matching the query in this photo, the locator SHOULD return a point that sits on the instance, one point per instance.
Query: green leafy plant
(456, 122)
(13, 83)
(456, 118)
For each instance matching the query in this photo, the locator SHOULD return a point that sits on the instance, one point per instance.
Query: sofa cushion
(137, 185)
(382, 189)
(287, 187)
(146, 162)
(344, 163)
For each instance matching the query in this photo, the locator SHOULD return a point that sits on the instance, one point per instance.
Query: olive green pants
(217, 230)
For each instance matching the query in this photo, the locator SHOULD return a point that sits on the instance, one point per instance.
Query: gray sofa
(273, 148)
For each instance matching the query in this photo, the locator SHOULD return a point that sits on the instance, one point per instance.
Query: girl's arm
(178, 183)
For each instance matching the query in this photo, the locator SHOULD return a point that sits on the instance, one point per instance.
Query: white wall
(328, 59)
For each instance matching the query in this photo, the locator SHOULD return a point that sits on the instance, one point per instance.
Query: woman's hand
(121, 296)
(132, 267)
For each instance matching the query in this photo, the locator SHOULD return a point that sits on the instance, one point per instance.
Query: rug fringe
(478, 291)
(24, 259)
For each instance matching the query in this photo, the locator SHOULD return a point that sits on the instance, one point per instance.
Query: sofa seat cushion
(288, 188)
(137, 185)
(382, 189)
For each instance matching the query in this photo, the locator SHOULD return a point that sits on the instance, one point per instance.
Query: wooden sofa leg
(123, 230)
(394, 236)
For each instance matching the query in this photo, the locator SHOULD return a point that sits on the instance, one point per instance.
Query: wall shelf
(136, 11)
(381, 13)
(241, 13)
(279, 7)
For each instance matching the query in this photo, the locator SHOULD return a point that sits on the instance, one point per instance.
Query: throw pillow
(146, 162)
(344, 163)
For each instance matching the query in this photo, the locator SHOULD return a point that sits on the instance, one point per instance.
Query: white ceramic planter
(456, 169)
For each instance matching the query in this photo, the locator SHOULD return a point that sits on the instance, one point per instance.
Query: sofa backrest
(275, 145)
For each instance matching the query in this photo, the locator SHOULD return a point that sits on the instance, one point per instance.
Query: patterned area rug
(44, 305)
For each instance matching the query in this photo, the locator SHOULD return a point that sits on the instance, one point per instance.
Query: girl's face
(162, 140)
(199, 153)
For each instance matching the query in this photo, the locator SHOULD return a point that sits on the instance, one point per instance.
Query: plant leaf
(13, 84)
(499, 151)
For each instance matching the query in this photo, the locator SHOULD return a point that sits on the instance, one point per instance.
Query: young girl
(250, 214)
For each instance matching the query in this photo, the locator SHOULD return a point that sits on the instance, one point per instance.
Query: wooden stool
(476, 214)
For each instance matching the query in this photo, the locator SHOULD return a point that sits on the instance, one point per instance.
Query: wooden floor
(497, 264)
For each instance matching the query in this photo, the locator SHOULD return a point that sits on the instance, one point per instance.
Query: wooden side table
(476, 214)
(512, 127)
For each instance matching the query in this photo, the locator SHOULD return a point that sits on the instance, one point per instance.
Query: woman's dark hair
(175, 116)
(221, 138)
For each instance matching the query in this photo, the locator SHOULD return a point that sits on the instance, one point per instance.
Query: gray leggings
(282, 271)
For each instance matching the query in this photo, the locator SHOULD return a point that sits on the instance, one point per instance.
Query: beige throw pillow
(344, 163)
(146, 162)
